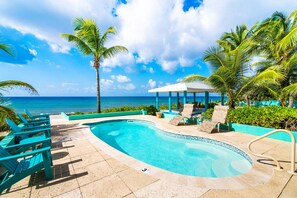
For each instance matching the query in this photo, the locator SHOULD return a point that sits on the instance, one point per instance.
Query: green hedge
(270, 116)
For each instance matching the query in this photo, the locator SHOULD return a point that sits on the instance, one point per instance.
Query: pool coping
(258, 175)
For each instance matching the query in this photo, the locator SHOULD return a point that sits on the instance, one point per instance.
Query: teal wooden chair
(20, 165)
(28, 134)
(34, 117)
(33, 122)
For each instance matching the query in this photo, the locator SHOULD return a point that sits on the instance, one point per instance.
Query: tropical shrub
(269, 116)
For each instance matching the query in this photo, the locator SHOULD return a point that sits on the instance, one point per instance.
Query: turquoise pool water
(187, 155)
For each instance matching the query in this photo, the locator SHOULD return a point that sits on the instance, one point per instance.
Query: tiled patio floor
(84, 170)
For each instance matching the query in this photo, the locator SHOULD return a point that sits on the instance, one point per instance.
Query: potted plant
(159, 114)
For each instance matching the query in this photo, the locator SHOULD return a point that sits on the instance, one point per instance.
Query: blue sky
(166, 40)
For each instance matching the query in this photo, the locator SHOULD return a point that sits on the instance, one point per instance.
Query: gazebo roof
(194, 87)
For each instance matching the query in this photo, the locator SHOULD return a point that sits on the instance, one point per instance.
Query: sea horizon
(67, 104)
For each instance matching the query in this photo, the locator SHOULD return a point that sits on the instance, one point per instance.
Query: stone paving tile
(135, 179)
(60, 154)
(116, 165)
(78, 151)
(290, 189)
(111, 186)
(130, 196)
(61, 184)
(87, 159)
(94, 172)
(71, 194)
(78, 143)
(16, 193)
(271, 189)
(168, 190)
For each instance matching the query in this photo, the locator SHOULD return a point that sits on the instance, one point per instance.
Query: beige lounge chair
(218, 117)
(186, 113)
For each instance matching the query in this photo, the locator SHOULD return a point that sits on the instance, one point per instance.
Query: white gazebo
(193, 87)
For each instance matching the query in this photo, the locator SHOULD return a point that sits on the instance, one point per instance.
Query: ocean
(55, 105)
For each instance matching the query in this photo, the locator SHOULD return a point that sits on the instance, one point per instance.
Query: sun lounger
(186, 113)
(20, 165)
(33, 122)
(37, 117)
(28, 134)
(218, 117)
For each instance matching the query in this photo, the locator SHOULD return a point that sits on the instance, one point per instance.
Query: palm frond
(10, 84)
(80, 44)
(111, 30)
(193, 78)
(6, 48)
(110, 52)
(289, 40)
(291, 90)
(215, 58)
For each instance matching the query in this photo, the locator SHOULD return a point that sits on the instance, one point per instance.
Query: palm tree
(277, 36)
(231, 40)
(8, 85)
(229, 67)
(88, 39)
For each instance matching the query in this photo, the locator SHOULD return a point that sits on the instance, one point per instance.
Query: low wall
(258, 131)
(102, 115)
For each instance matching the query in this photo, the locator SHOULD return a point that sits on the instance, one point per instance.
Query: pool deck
(84, 166)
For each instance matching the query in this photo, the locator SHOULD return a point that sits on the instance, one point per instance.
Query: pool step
(221, 168)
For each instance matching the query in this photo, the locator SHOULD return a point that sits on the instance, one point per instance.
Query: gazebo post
(206, 100)
(185, 97)
(177, 100)
(194, 96)
(222, 99)
(157, 100)
(170, 102)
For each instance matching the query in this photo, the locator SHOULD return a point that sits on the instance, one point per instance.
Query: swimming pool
(187, 155)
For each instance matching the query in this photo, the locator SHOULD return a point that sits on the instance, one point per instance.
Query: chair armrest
(27, 144)
(45, 127)
(30, 132)
(22, 155)
(38, 121)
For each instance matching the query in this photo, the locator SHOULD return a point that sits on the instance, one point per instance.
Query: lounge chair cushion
(207, 126)
(176, 120)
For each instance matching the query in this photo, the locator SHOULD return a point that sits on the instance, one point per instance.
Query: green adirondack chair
(34, 117)
(20, 165)
(33, 122)
(26, 134)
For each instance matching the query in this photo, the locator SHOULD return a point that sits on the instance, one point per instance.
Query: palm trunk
(291, 101)
(98, 89)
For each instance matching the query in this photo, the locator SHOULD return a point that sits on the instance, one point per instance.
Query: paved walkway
(82, 169)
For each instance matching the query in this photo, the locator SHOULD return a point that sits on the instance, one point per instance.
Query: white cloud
(33, 52)
(47, 18)
(151, 84)
(179, 80)
(106, 69)
(120, 78)
(127, 87)
(148, 69)
(179, 38)
(154, 30)
(106, 82)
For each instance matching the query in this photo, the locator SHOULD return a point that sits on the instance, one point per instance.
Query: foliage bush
(269, 116)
